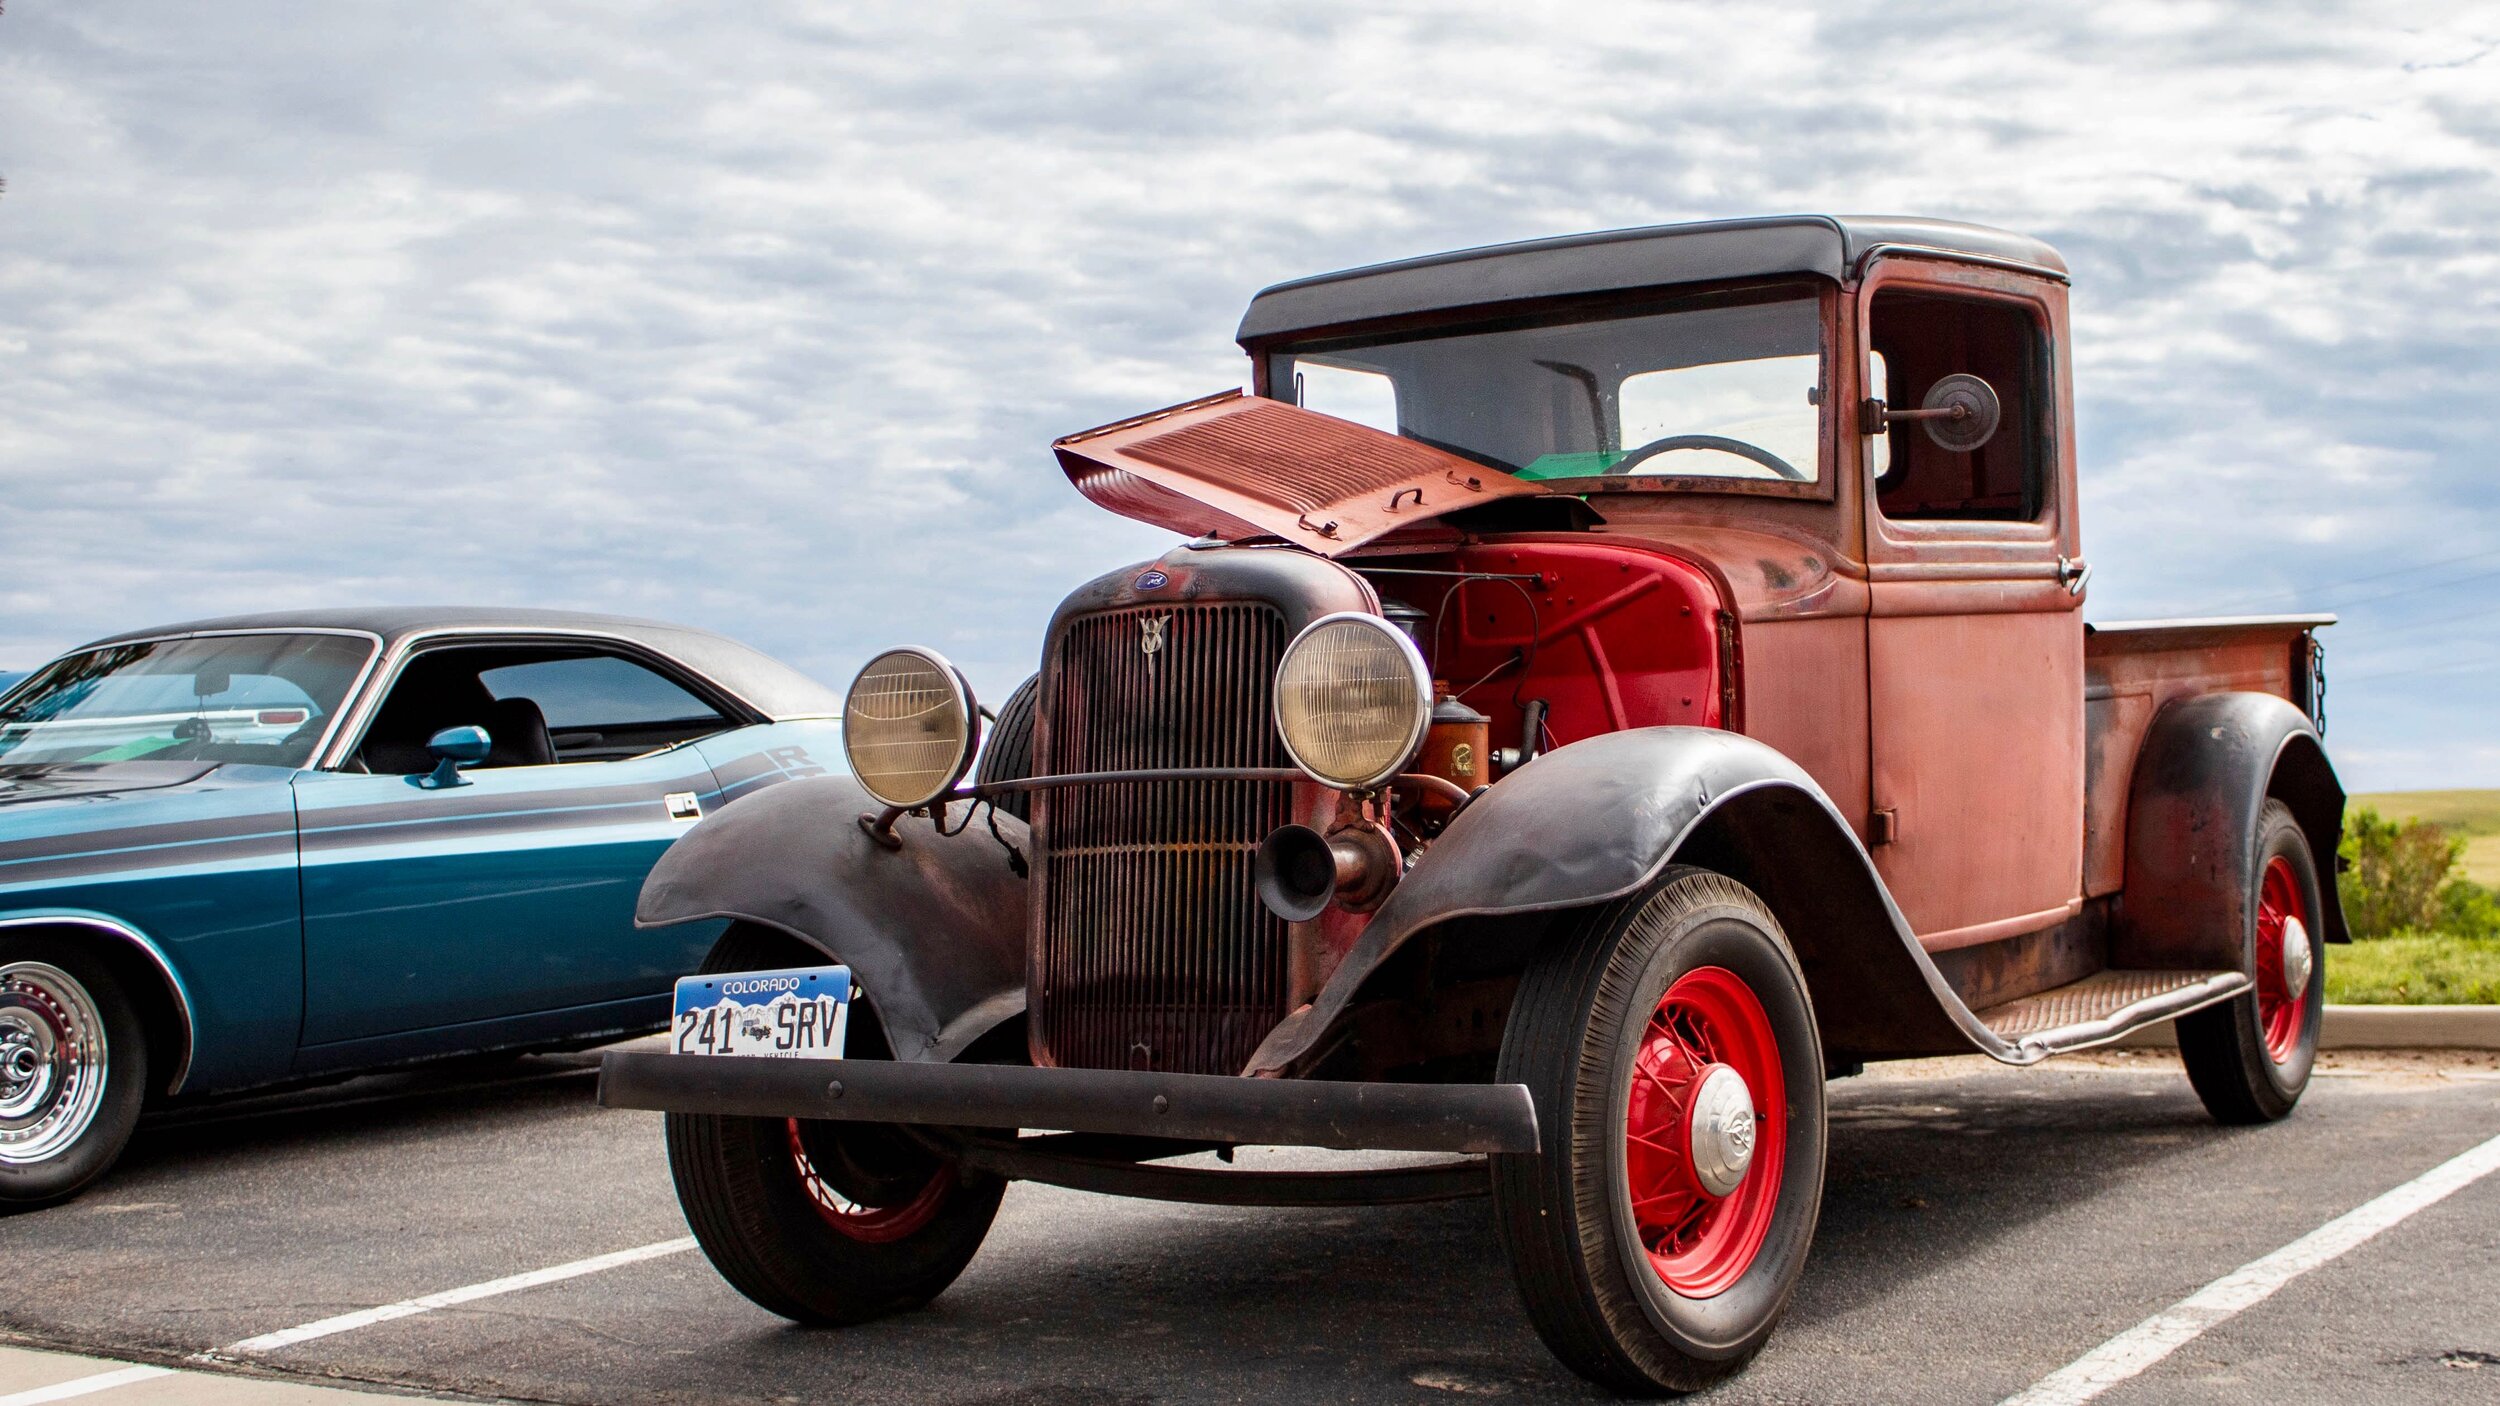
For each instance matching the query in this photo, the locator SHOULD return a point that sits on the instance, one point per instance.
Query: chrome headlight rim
(959, 699)
(1417, 726)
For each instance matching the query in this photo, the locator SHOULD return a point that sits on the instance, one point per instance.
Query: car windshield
(262, 699)
(1719, 387)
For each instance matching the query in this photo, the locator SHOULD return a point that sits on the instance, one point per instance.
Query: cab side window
(1920, 338)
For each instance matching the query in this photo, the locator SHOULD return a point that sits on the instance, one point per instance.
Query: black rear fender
(2207, 768)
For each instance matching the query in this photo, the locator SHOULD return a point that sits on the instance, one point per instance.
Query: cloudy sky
(763, 316)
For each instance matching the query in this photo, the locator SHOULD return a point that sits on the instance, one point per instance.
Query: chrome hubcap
(2295, 958)
(1723, 1130)
(52, 1062)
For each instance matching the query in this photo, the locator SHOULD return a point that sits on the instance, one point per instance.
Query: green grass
(2415, 969)
(2473, 816)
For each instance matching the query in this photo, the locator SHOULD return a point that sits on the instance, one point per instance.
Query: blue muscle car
(251, 850)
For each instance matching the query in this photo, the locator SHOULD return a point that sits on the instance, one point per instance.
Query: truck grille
(1152, 950)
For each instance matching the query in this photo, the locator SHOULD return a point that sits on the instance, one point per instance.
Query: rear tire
(1645, 1268)
(2251, 1056)
(823, 1222)
(73, 1070)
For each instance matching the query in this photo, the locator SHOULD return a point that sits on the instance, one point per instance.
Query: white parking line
(2148, 1342)
(409, 1308)
(85, 1386)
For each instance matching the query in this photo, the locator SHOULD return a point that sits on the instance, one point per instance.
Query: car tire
(1008, 755)
(1622, 1025)
(2250, 1057)
(824, 1222)
(73, 1070)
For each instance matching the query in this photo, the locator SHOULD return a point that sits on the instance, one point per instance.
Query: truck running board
(2104, 1006)
(1213, 1107)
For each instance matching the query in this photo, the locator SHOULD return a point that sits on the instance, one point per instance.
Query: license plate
(800, 1013)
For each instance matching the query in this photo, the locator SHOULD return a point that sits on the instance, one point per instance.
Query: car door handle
(2072, 573)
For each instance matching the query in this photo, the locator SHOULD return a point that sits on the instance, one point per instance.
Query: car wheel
(1670, 1048)
(824, 1222)
(73, 1070)
(2250, 1057)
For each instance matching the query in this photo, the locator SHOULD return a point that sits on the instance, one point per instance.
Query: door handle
(2072, 573)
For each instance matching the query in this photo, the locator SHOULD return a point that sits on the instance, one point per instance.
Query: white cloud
(763, 317)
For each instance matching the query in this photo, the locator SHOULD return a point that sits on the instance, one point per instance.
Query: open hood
(1244, 466)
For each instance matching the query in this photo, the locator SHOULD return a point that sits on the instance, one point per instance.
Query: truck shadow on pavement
(1116, 1300)
(1074, 1297)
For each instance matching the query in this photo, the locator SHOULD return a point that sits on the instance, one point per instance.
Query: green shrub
(2416, 968)
(2467, 909)
(2396, 877)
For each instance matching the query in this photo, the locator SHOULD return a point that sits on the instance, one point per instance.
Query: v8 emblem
(1150, 637)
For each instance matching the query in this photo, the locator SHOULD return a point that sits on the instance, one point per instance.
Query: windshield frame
(356, 686)
(1270, 368)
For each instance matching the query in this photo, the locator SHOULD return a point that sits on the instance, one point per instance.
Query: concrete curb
(2378, 1028)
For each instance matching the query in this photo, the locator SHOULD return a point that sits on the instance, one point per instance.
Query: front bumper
(1203, 1107)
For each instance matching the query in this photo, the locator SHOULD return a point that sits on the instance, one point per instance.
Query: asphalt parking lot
(1982, 1228)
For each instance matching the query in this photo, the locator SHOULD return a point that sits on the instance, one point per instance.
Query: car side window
(1918, 339)
(540, 705)
(601, 707)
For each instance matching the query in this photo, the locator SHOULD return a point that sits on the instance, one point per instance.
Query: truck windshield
(262, 699)
(1725, 386)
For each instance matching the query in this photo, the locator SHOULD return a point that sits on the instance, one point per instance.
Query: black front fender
(1598, 819)
(934, 931)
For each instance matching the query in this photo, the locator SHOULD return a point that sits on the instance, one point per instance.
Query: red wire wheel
(872, 1225)
(1701, 1240)
(2281, 1009)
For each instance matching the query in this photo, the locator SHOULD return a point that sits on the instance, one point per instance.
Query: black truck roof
(1656, 256)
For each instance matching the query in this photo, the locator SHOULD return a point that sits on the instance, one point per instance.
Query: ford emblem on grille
(1152, 581)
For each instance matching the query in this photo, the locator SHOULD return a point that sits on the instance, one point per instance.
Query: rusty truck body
(1612, 685)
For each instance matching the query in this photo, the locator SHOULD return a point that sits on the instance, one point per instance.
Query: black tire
(1565, 1213)
(1008, 755)
(72, 1117)
(2224, 1047)
(748, 1198)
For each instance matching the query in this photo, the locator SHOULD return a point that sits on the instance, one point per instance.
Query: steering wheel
(1722, 443)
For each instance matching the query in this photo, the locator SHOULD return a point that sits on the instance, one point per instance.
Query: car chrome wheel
(53, 1062)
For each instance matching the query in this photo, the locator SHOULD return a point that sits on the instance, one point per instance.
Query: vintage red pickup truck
(1616, 684)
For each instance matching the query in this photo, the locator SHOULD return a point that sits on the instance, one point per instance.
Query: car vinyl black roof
(772, 687)
(1655, 256)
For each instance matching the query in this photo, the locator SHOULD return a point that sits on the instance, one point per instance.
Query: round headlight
(909, 727)
(1352, 700)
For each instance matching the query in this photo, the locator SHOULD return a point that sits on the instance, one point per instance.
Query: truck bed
(2131, 668)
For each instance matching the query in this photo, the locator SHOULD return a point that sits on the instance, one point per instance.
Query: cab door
(1975, 634)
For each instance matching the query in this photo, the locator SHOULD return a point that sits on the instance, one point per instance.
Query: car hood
(1243, 466)
(21, 785)
(60, 824)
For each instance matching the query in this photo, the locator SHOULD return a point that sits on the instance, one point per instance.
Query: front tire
(1657, 1237)
(2251, 1056)
(73, 1070)
(823, 1222)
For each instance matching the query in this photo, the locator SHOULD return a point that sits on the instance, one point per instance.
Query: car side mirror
(454, 748)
